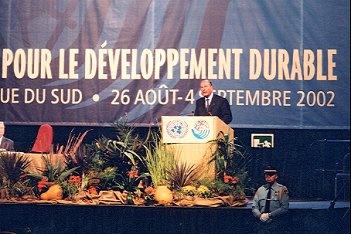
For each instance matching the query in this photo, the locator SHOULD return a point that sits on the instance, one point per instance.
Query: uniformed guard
(272, 199)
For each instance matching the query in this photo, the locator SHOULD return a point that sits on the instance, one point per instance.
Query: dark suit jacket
(7, 144)
(219, 107)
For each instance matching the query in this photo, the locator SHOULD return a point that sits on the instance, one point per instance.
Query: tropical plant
(131, 181)
(12, 167)
(230, 158)
(76, 154)
(159, 160)
(117, 153)
(55, 172)
(73, 144)
(52, 173)
(183, 174)
(123, 152)
(72, 186)
(101, 161)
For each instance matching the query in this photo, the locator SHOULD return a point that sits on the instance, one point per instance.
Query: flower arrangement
(200, 191)
(132, 182)
(231, 160)
(133, 169)
(72, 186)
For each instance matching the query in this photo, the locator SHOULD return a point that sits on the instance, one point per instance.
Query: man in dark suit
(5, 143)
(211, 104)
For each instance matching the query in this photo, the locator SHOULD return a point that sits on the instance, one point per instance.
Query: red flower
(76, 180)
(149, 190)
(92, 190)
(227, 178)
(235, 180)
(133, 174)
(45, 178)
(43, 183)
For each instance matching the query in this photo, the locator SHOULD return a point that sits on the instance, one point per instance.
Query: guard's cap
(269, 170)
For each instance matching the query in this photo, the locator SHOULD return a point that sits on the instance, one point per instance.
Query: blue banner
(280, 63)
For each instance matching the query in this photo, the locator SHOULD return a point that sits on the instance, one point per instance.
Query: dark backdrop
(308, 160)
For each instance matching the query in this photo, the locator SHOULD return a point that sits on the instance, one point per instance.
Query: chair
(44, 139)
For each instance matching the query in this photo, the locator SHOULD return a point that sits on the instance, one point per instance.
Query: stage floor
(312, 204)
(303, 217)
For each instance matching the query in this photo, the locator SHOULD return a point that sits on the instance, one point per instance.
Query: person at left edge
(218, 106)
(5, 143)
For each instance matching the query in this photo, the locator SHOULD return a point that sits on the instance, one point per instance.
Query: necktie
(207, 103)
(268, 200)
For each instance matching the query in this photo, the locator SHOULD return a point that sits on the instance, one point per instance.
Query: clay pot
(163, 195)
(55, 192)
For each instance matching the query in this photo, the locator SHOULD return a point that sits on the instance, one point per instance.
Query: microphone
(191, 113)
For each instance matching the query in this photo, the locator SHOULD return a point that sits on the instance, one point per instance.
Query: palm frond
(12, 166)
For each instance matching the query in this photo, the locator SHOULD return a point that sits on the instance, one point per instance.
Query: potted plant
(159, 160)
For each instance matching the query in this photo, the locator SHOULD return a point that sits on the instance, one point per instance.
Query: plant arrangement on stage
(72, 186)
(183, 174)
(231, 161)
(132, 171)
(52, 174)
(111, 164)
(197, 190)
(132, 182)
(159, 161)
(13, 175)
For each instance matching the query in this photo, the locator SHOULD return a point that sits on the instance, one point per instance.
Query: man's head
(206, 88)
(270, 174)
(2, 129)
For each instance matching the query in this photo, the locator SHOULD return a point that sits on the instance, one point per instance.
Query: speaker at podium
(190, 137)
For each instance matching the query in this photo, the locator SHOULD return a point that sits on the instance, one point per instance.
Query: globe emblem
(201, 129)
(177, 129)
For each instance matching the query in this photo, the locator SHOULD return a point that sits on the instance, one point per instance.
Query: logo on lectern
(177, 128)
(201, 129)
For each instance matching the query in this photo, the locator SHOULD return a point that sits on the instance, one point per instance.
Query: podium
(190, 136)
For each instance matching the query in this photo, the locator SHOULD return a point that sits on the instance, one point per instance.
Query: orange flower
(227, 178)
(76, 180)
(235, 180)
(45, 178)
(92, 190)
(149, 190)
(43, 183)
(133, 174)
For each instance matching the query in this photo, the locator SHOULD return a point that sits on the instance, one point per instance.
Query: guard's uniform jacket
(279, 200)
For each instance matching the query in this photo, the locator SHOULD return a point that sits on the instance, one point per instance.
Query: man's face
(206, 88)
(270, 178)
(2, 129)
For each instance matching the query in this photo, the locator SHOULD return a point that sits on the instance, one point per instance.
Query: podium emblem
(177, 128)
(201, 129)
